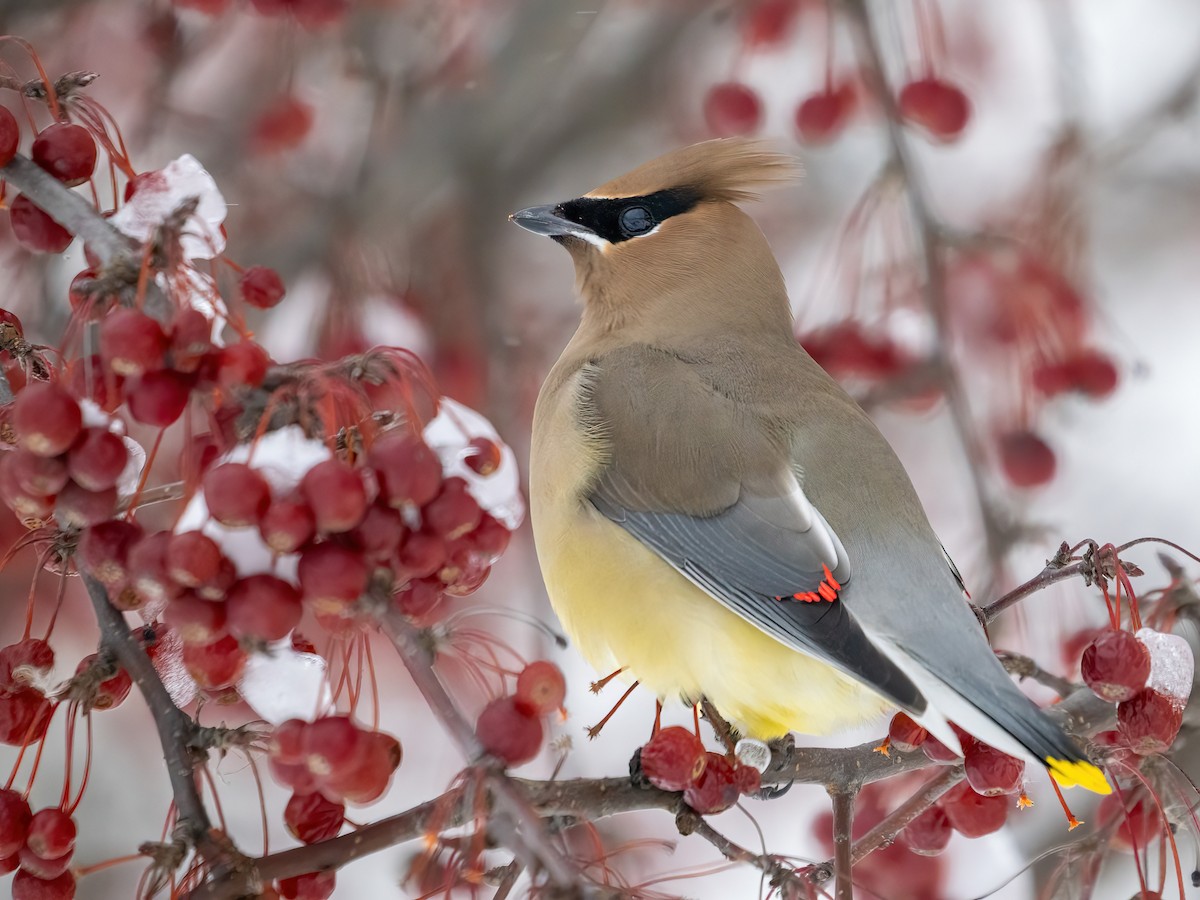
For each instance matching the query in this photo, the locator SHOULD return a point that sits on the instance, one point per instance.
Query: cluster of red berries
(335, 759)
(1116, 666)
(934, 105)
(675, 760)
(510, 728)
(973, 808)
(38, 846)
(846, 350)
(65, 150)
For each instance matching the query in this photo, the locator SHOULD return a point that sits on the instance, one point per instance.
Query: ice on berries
(1172, 666)
(162, 192)
(498, 494)
(284, 683)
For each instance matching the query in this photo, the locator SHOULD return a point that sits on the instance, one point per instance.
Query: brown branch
(1025, 667)
(176, 732)
(843, 824)
(688, 822)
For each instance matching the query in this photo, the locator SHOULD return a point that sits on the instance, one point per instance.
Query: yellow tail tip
(1078, 774)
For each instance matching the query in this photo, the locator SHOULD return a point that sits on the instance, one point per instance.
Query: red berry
(904, 734)
(263, 608)
(27, 886)
(132, 343)
(1141, 822)
(715, 790)
(261, 287)
(821, 117)
(929, 833)
(379, 533)
(51, 833)
(287, 741)
(35, 229)
(409, 472)
(97, 459)
(990, 772)
(483, 456)
(148, 567)
(769, 22)
(313, 886)
(332, 577)
(110, 692)
(158, 398)
(9, 864)
(509, 732)
(732, 109)
(287, 525)
(937, 106)
(1026, 459)
(77, 507)
(541, 687)
(42, 867)
(104, 550)
(46, 418)
(311, 818)
(216, 665)
(453, 512)
(974, 815)
(236, 494)
(10, 136)
(15, 816)
(1116, 666)
(419, 597)
(90, 379)
(421, 555)
(39, 475)
(332, 744)
(673, 759)
(193, 559)
(369, 778)
(1149, 722)
(239, 365)
(335, 492)
(66, 151)
(24, 715)
(191, 339)
(281, 126)
(25, 662)
(937, 751)
(490, 539)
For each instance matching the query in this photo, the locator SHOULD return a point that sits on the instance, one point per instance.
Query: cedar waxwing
(714, 514)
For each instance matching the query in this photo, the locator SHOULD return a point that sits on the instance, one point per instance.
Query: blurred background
(371, 150)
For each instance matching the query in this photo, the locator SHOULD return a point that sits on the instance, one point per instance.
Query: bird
(714, 516)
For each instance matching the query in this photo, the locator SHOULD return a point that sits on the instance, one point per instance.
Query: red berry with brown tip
(46, 418)
(97, 459)
(66, 151)
(262, 608)
(992, 773)
(148, 567)
(35, 229)
(972, 814)
(336, 494)
(483, 456)
(716, 789)
(332, 577)
(409, 472)
(243, 364)
(311, 886)
(748, 779)
(195, 620)
(332, 744)
(261, 287)
(236, 494)
(929, 833)
(509, 731)
(287, 741)
(940, 108)
(369, 778)
(822, 117)
(24, 715)
(44, 867)
(731, 108)
(419, 597)
(193, 559)
(105, 547)
(1026, 460)
(15, 817)
(1116, 666)
(541, 687)
(673, 759)
(112, 691)
(421, 555)
(77, 507)
(1149, 722)
(904, 734)
(216, 665)
(311, 817)
(39, 475)
(25, 661)
(10, 137)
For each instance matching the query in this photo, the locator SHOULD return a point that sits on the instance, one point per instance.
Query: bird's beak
(545, 220)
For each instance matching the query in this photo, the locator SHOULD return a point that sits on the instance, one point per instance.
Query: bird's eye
(636, 220)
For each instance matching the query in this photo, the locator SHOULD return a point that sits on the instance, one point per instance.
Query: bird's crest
(731, 169)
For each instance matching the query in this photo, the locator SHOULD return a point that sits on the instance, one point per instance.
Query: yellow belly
(623, 606)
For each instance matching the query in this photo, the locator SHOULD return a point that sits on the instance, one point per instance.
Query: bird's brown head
(667, 237)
